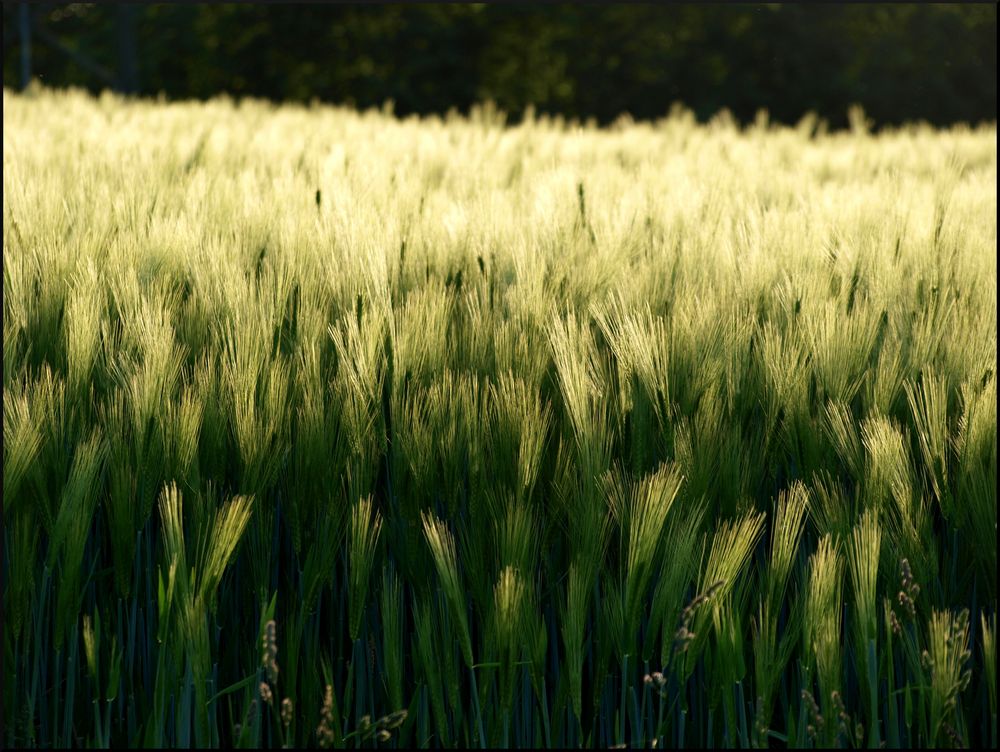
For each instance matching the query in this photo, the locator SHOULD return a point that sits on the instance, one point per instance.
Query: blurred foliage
(900, 62)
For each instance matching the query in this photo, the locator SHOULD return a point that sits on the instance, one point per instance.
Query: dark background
(900, 62)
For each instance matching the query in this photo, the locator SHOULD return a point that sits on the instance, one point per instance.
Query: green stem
(479, 713)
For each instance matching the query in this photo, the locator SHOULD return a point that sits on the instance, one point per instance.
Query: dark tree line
(900, 62)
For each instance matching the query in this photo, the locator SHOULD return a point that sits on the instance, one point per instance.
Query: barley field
(329, 428)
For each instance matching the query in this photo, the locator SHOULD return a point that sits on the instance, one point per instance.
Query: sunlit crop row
(329, 428)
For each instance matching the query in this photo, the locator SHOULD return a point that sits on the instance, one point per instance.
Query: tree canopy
(901, 62)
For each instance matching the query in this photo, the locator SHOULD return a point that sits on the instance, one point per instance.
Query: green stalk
(874, 740)
(479, 712)
(546, 726)
(658, 733)
(622, 707)
(55, 700)
(70, 685)
(741, 704)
